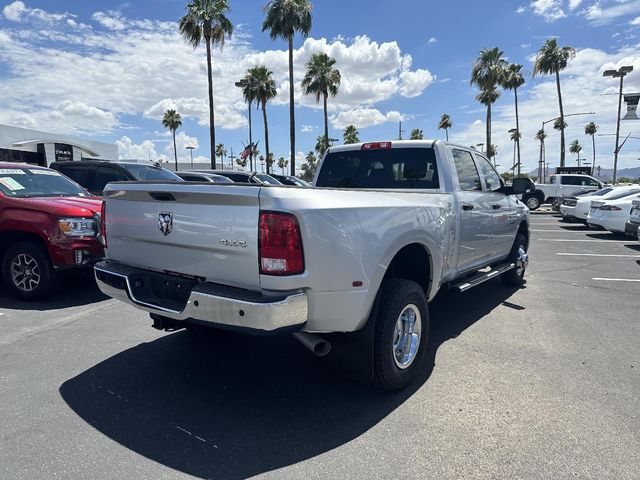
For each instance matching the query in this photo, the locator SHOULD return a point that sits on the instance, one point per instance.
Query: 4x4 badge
(165, 222)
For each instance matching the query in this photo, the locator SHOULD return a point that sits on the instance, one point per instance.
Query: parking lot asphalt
(539, 382)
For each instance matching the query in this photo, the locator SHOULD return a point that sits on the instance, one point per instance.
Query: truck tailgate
(206, 231)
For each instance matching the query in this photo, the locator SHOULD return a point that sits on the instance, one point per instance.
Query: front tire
(27, 271)
(401, 334)
(533, 202)
(519, 256)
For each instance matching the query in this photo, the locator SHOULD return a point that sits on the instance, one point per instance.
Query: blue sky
(107, 70)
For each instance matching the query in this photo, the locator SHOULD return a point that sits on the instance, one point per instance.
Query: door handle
(467, 206)
(496, 206)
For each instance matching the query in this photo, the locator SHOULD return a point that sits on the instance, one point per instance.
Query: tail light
(280, 244)
(103, 223)
(376, 146)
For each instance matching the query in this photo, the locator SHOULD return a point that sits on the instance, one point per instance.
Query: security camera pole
(620, 73)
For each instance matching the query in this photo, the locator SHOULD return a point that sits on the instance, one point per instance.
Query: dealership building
(41, 148)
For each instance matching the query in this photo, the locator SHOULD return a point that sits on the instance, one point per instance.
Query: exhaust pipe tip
(316, 344)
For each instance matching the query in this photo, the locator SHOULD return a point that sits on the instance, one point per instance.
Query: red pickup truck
(48, 223)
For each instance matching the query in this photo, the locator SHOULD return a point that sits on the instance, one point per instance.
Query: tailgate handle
(162, 196)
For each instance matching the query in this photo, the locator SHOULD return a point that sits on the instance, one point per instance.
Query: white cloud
(525, 45)
(604, 12)
(364, 117)
(635, 21)
(412, 84)
(308, 128)
(130, 151)
(432, 40)
(573, 4)
(111, 20)
(550, 10)
(18, 11)
(521, 9)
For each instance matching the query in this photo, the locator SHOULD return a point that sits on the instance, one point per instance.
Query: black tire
(515, 276)
(532, 201)
(397, 296)
(36, 282)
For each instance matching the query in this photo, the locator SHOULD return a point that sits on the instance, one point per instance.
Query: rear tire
(27, 271)
(532, 201)
(515, 276)
(401, 334)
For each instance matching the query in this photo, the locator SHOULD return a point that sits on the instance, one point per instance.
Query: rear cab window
(390, 168)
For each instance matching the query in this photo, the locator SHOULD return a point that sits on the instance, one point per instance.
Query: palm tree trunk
(326, 124)
(515, 93)
(266, 133)
(488, 140)
(593, 164)
(212, 123)
(175, 149)
(562, 153)
(292, 114)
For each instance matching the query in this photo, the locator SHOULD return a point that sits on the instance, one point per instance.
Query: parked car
(388, 225)
(632, 227)
(238, 176)
(561, 184)
(577, 209)
(558, 201)
(48, 223)
(203, 177)
(612, 213)
(290, 180)
(95, 174)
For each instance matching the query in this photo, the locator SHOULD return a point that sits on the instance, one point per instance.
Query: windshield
(394, 168)
(626, 193)
(599, 193)
(36, 182)
(267, 179)
(147, 172)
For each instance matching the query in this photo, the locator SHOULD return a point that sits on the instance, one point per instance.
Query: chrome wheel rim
(532, 202)
(25, 272)
(406, 336)
(521, 261)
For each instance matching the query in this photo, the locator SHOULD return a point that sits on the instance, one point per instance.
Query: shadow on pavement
(73, 290)
(609, 236)
(229, 406)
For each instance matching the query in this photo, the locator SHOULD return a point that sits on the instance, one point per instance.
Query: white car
(577, 208)
(612, 214)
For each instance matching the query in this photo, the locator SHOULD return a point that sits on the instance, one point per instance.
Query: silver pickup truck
(387, 225)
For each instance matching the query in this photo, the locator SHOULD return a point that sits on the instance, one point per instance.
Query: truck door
(476, 215)
(503, 209)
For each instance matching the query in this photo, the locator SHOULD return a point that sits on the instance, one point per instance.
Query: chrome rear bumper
(210, 304)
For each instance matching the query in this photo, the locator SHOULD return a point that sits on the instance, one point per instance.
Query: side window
(553, 180)
(570, 180)
(591, 182)
(490, 177)
(468, 177)
(81, 175)
(106, 175)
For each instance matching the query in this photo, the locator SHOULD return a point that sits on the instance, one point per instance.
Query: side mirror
(522, 185)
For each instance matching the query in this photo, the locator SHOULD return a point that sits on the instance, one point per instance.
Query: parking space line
(581, 240)
(595, 255)
(563, 231)
(616, 279)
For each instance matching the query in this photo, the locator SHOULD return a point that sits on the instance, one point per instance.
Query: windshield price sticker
(12, 171)
(11, 184)
(52, 173)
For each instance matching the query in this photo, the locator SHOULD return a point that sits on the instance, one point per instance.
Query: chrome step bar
(482, 277)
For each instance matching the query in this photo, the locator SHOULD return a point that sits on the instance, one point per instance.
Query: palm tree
(576, 148)
(540, 136)
(173, 121)
(590, 129)
(321, 146)
(309, 168)
(322, 80)
(515, 138)
(492, 151)
(221, 152)
(513, 79)
(263, 88)
(416, 134)
(445, 124)
(487, 73)
(351, 135)
(282, 163)
(560, 125)
(283, 18)
(552, 59)
(207, 20)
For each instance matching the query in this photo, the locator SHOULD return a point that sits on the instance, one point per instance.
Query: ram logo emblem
(165, 222)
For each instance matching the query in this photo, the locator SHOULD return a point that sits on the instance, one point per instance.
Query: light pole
(243, 83)
(190, 148)
(620, 73)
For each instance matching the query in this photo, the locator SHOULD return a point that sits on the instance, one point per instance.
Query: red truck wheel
(27, 271)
